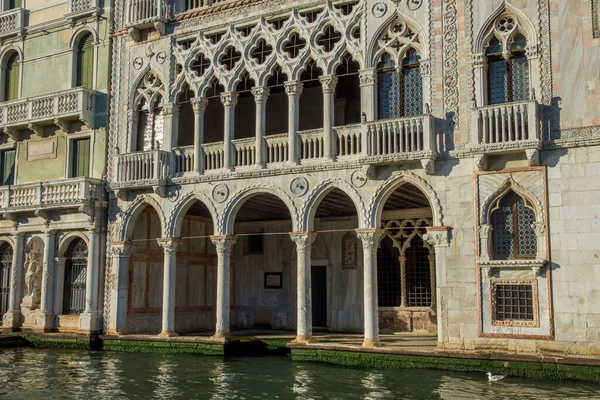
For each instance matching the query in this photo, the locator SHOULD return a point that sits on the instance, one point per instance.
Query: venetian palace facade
(369, 166)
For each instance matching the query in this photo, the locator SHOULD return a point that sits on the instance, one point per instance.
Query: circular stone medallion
(359, 178)
(414, 4)
(299, 186)
(220, 193)
(379, 9)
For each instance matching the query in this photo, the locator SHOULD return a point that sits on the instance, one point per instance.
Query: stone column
(370, 239)
(87, 320)
(44, 322)
(169, 246)
(293, 89)
(304, 241)
(12, 317)
(223, 245)
(368, 104)
(261, 94)
(59, 284)
(119, 296)
(439, 237)
(328, 82)
(485, 241)
(170, 113)
(199, 107)
(229, 100)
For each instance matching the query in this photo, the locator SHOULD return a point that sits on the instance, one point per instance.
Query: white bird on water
(494, 378)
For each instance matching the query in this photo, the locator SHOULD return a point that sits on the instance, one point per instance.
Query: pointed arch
(65, 241)
(388, 187)
(488, 28)
(130, 216)
(318, 194)
(183, 205)
(509, 184)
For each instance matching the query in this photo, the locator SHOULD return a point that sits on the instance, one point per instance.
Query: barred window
(6, 255)
(400, 92)
(514, 302)
(75, 277)
(508, 71)
(389, 291)
(513, 234)
(418, 276)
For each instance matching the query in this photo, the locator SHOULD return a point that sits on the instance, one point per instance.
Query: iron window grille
(514, 303)
(508, 72)
(513, 235)
(6, 255)
(75, 277)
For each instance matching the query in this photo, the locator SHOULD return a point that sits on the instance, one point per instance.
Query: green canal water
(27, 373)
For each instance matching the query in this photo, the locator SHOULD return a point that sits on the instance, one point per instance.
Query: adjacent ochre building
(54, 81)
(374, 166)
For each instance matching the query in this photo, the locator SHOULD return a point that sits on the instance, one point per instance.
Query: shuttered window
(85, 62)
(11, 78)
(80, 163)
(7, 167)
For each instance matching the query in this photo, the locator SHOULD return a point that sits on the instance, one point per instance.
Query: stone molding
(535, 266)
(438, 236)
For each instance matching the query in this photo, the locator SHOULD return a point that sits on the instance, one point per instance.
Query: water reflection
(59, 374)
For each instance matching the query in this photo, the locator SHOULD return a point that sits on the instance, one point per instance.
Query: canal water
(60, 374)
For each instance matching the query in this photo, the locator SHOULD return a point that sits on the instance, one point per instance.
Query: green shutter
(80, 165)
(12, 4)
(85, 62)
(11, 82)
(8, 167)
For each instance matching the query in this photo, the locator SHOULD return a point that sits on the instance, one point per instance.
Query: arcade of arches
(266, 276)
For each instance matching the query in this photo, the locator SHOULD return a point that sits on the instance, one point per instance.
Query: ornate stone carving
(359, 178)
(169, 245)
(229, 99)
(437, 236)
(450, 46)
(299, 186)
(367, 77)
(480, 161)
(261, 93)
(293, 88)
(485, 231)
(328, 82)
(349, 251)
(223, 243)
(33, 280)
(220, 193)
(199, 104)
(122, 249)
(303, 240)
(539, 228)
(370, 238)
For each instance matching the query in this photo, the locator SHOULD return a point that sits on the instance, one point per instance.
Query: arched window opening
(389, 292)
(311, 100)
(214, 114)
(245, 114)
(400, 89)
(508, 70)
(76, 265)
(277, 103)
(347, 92)
(11, 78)
(85, 62)
(6, 255)
(150, 126)
(185, 126)
(513, 234)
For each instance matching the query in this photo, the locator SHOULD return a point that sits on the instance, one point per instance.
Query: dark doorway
(319, 296)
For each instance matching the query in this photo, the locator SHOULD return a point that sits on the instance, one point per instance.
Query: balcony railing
(409, 138)
(50, 194)
(143, 13)
(401, 137)
(505, 126)
(81, 8)
(72, 104)
(146, 168)
(12, 22)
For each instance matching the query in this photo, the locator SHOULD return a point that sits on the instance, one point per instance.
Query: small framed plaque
(273, 280)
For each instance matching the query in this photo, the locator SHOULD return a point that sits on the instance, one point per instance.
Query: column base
(168, 334)
(221, 335)
(42, 321)
(371, 343)
(11, 320)
(304, 339)
(88, 322)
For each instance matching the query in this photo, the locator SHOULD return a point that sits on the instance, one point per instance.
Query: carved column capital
(370, 237)
(367, 77)
(223, 243)
(260, 93)
(293, 88)
(169, 245)
(303, 240)
(229, 99)
(539, 228)
(485, 231)
(328, 82)
(199, 104)
(170, 110)
(123, 249)
(479, 60)
(437, 236)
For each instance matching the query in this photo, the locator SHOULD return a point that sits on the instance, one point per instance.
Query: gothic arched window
(6, 254)
(513, 235)
(400, 89)
(508, 70)
(150, 113)
(75, 277)
(85, 62)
